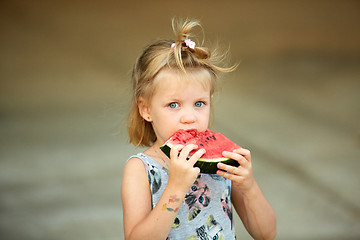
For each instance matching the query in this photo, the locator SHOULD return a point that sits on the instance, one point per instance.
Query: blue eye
(199, 104)
(173, 105)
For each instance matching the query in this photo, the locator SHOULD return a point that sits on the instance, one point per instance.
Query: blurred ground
(294, 102)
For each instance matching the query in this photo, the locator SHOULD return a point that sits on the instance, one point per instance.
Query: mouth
(187, 129)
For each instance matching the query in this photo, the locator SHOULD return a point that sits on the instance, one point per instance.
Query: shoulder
(134, 175)
(134, 168)
(135, 162)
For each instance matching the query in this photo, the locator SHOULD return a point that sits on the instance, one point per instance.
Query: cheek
(204, 118)
(164, 126)
(157, 115)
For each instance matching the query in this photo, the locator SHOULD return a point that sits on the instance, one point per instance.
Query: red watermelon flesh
(213, 142)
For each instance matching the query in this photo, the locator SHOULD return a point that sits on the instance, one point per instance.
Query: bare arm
(254, 210)
(140, 220)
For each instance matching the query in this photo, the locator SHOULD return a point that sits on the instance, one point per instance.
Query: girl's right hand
(182, 173)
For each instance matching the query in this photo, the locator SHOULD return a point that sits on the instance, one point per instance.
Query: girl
(167, 198)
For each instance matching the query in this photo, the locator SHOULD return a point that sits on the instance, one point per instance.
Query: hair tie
(188, 44)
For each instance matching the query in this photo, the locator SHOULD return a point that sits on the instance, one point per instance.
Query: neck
(155, 152)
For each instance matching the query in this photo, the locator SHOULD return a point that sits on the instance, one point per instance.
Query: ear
(144, 109)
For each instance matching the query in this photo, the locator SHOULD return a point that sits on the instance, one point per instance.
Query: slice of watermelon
(213, 142)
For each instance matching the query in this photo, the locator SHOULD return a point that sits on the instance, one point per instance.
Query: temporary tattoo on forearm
(172, 199)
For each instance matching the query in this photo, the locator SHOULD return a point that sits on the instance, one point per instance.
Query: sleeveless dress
(206, 212)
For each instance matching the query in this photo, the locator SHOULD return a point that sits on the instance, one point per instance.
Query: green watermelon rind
(208, 166)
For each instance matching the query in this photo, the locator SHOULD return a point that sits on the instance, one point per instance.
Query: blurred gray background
(294, 102)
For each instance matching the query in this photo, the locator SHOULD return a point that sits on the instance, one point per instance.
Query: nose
(188, 116)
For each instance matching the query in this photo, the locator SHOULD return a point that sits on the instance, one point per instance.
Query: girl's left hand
(241, 176)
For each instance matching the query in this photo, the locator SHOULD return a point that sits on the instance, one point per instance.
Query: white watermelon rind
(208, 166)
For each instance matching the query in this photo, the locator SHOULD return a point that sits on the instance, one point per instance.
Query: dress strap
(147, 160)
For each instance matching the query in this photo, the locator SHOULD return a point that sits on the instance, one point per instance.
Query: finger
(196, 171)
(231, 169)
(174, 152)
(240, 158)
(186, 150)
(193, 159)
(229, 176)
(245, 152)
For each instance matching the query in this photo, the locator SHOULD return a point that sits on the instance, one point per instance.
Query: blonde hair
(167, 54)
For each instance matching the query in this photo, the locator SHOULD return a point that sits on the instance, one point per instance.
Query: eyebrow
(175, 99)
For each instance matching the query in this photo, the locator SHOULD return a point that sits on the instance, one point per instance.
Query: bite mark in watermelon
(213, 142)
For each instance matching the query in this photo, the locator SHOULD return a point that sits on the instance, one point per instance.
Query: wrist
(251, 192)
(171, 199)
(176, 189)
